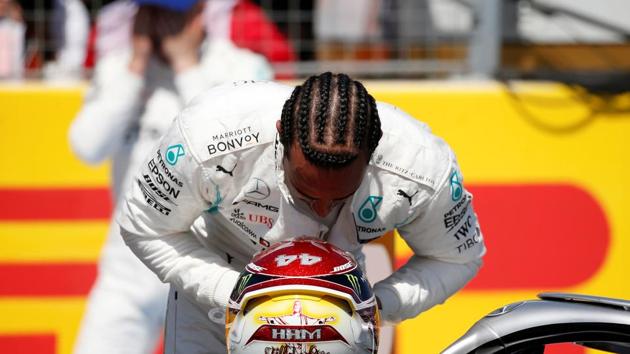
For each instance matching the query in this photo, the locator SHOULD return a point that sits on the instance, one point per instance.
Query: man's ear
(279, 127)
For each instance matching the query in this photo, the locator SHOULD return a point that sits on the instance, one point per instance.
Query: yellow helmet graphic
(302, 296)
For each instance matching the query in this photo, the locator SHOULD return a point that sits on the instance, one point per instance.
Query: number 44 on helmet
(302, 296)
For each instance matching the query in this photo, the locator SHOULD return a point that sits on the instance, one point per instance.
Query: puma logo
(405, 195)
(221, 169)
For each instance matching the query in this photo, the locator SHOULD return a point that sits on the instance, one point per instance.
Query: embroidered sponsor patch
(257, 189)
(233, 140)
(457, 213)
(369, 209)
(173, 153)
(152, 200)
(157, 191)
(457, 190)
(410, 173)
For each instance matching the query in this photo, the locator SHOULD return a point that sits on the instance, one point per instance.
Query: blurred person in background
(340, 36)
(70, 28)
(114, 22)
(135, 94)
(240, 22)
(12, 30)
(251, 28)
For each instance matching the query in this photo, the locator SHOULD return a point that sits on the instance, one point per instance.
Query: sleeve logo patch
(456, 187)
(368, 210)
(173, 153)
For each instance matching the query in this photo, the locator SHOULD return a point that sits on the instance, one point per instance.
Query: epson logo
(296, 334)
(159, 178)
(166, 170)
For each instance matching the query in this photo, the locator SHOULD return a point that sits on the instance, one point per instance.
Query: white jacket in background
(122, 109)
(123, 117)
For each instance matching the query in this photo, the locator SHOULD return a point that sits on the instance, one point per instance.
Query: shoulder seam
(445, 176)
(206, 178)
(182, 131)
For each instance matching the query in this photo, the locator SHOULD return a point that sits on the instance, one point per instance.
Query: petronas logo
(354, 281)
(456, 187)
(368, 210)
(173, 153)
(243, 282)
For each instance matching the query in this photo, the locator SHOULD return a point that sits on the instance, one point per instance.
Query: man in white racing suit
(126, 111)
(250, 164)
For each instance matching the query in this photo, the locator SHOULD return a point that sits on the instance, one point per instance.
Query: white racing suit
(123, 117)
(219, 167)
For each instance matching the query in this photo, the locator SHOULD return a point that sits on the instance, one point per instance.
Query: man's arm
(447, 244)
(110, 106)
(169, 192)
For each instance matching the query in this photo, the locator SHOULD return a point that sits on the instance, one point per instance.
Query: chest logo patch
(173, 153)
(369, 209)
(257, 189)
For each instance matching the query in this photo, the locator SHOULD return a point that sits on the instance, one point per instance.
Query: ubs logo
(260, 219)
(257, 189)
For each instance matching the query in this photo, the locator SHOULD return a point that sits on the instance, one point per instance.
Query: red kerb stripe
(28, 344)
(68, 279)
(55, 204)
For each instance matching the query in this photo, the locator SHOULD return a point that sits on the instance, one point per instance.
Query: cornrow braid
(303, 126)
(362, 118)
(324, 93)
(375, 126)
(333, 119)
(342, 119)
(285, 119)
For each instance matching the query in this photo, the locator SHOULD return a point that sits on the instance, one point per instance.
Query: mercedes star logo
(258, 189)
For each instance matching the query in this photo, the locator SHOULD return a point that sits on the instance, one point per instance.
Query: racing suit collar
(279, 166)
(285, 191)
(293, 221)
(289, 193)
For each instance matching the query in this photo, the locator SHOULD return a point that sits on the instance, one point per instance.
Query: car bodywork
(527, 326)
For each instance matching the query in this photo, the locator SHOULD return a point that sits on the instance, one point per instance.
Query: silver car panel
(622, 304)
(551, 309)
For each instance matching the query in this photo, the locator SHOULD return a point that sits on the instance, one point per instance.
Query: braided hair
(333, 119)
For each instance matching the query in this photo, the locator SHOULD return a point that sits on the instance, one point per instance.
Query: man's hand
(182, 49)
(142, 49)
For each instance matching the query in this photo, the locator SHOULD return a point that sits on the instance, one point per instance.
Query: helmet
(302, 296)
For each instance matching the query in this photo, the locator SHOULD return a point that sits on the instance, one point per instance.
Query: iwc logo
(368, 210)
